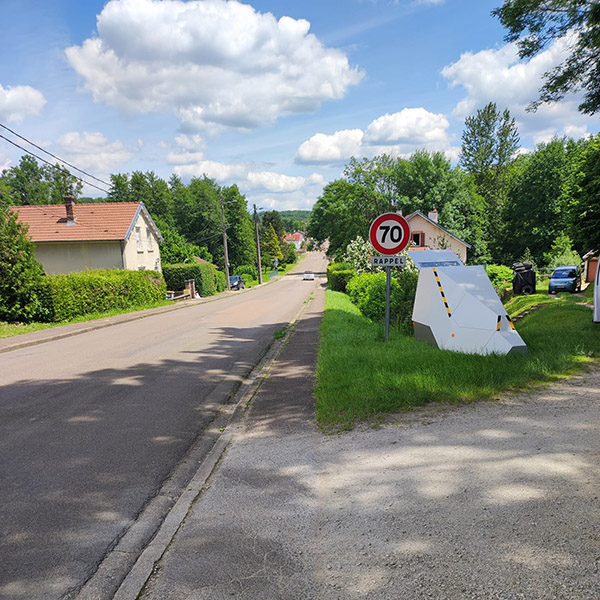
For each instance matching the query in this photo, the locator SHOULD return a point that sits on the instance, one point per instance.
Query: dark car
(565, 279)
(236, 283)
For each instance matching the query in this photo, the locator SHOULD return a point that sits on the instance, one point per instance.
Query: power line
(49, 163)
(54, 156)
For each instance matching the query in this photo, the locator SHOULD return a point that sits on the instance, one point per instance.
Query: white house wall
(145, 257)
(62, 258)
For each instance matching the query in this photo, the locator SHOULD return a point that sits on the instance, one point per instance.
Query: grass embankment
(362, 378)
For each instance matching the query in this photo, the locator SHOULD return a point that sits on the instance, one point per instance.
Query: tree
(533, 24)
(33, 184)
(241, 244)
(536, 212)
(584, 192)
(20, 273)
(489, 142)
(270, 243)
(273, 217)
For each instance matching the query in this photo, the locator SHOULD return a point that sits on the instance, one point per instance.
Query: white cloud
(399, 135)
(184, 158)
(499, 76)
(222, 172)
(412, 126)
(92, 151)
(329, 149)
(212, 62)
(20, 101)
(276, 182)
(188, 142)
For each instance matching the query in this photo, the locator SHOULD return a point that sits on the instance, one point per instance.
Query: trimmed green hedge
(367, 291)
(338, 276)
(209, 281)
(65, 297)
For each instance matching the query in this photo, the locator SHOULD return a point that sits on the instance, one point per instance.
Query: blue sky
(274, 96)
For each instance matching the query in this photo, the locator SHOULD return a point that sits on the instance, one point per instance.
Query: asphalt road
(92, 426)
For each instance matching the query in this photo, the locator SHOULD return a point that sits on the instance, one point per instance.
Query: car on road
(308, 276)
(565, 279)
(236, 283)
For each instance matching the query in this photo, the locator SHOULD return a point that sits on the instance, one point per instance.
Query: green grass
(360, 378)
(12, 329)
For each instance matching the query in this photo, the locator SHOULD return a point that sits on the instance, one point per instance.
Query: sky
(273, 96)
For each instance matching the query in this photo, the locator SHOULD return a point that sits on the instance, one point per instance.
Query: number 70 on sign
(389, 233)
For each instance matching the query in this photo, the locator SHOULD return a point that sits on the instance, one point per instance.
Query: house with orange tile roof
(74, 237)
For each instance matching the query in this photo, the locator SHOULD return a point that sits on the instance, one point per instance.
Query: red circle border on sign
(405, 229)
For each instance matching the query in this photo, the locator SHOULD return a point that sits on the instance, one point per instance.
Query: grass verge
(360, 378)
(12, 329)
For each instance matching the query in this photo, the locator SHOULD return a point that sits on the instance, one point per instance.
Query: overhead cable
(49, 163)
(54, 156)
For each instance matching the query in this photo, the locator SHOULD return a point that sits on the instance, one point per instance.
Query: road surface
(92, 426)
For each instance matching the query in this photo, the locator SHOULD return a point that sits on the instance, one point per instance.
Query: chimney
(70, 207)
(433, 215)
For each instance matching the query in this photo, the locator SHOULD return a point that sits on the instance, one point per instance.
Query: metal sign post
(389, 234)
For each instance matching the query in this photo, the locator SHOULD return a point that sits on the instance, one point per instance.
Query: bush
(246, 270)
(219, 279)
(65, 297)
(205, 277)
(247, 277)
(338, 276)
(499, 275)
(368, 292)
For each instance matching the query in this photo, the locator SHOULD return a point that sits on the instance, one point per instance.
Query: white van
(597, 295)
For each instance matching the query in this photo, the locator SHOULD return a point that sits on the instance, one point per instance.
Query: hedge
(246, 270)
(208, 280)
(367, 291)
(65, 297)
(338, 276)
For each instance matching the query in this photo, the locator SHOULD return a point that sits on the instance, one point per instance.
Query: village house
(74, 237)
(427, 233)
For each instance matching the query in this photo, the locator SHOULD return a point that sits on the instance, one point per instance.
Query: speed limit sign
(389, 233)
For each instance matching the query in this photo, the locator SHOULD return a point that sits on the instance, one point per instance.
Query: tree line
(189, 217)
(508, 205)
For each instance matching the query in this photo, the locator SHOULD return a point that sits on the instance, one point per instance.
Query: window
(142, 268)
(418, 237)
(149, 241)
(138, 236)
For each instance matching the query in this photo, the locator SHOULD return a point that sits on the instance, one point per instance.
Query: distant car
(565, 279)
(308, 276)
(236, 283)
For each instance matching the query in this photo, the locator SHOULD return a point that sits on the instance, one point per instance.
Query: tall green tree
(534, 24)
(584, 196)
(536, 211)
(489, 142)
(20, 273)
(269, 243)
(273, 217)
(241, 243)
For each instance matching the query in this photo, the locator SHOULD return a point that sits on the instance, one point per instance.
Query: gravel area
(494, 500)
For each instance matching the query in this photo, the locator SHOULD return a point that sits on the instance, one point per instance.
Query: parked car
(236, 283)
(565, 279)
(308, 276)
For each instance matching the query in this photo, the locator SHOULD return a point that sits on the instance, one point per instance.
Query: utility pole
(257, 245)
(225, 242)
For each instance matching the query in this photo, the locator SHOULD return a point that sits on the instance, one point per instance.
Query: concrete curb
(126, 568)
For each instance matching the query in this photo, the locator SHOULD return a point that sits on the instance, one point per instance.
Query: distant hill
(296, 215)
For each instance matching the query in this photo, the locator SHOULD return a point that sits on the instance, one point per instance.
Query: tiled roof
(94, 222)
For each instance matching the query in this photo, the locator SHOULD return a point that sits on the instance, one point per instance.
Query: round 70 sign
(389, 233)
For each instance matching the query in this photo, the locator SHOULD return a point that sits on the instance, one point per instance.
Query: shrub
(368, 292)
(247, 277)
(499, 275)
(220, 280)
(205, 277)
(338, 276)
(246, 270)
(65, 297)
